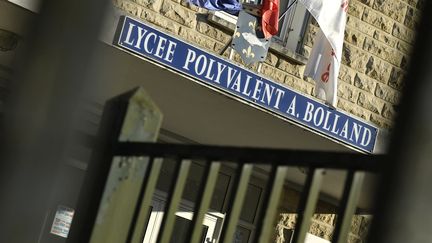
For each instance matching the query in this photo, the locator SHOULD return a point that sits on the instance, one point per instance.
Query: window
(182, 223)
(292, 26)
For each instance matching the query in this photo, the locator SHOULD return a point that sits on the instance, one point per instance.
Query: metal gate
(280, 161)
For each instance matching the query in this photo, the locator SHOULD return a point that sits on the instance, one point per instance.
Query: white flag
(324, 61)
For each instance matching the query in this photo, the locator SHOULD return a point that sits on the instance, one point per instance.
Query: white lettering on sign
(327, 120)
(235, 79)
(145, 41)
(222, 74)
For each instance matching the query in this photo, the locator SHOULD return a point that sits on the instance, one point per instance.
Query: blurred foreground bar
(46, 91)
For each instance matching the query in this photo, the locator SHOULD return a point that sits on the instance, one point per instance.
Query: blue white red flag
(230, 6)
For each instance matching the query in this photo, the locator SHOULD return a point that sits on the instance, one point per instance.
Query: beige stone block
(411, 2)
(354, 37)
(213, 32)
(320, 230)
(404, 47)
(154, 5)
(358, 24)
(365, 83)
(412, 18)
(395, 9)
(356, 224)
(161, 21)
(367, 2)
(306, 51)
(389, 111)
(403, 33)
(355, 58)
(273, 73)
(150, 16)
(381, 121)
(378, 20)
(387, 93)
(385, 38)
(218, 48)
(197, 38)
(356, 9)
(291, 68)
(396, 79)
(271, 59)
(378, 69)
(288, 220)
(348, 92)
(299, 84)
(371, 103)
(383, 51)
(179, 14)
(131, 8)
(404, 62)
(346, 74)
(353, 108)
(329, 219)
(310, 35)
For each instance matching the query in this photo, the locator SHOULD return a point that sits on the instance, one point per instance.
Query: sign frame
(181, 57)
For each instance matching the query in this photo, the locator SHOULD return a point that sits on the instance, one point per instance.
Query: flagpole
(286, 10)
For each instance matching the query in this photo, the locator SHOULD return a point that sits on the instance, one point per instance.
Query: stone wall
(378, 41)
(323, 221)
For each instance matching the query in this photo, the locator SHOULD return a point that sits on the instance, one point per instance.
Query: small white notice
(62, 221)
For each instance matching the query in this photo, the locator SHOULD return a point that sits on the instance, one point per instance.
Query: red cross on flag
(324, 61)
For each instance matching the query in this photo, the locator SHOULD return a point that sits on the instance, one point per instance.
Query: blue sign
(176, 54)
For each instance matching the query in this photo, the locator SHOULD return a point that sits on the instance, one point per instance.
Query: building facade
(378, 39)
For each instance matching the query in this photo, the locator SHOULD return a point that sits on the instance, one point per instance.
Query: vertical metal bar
(167, 226)
(307, 204)
(270, 206)
(48, 83)
(136, 230)
(351, 194)
(204, 199)
(236, 202)
(98, 170)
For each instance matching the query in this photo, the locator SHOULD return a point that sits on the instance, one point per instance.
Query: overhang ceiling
(205, 116)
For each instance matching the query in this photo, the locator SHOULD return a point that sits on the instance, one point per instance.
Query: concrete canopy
(196, 113)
